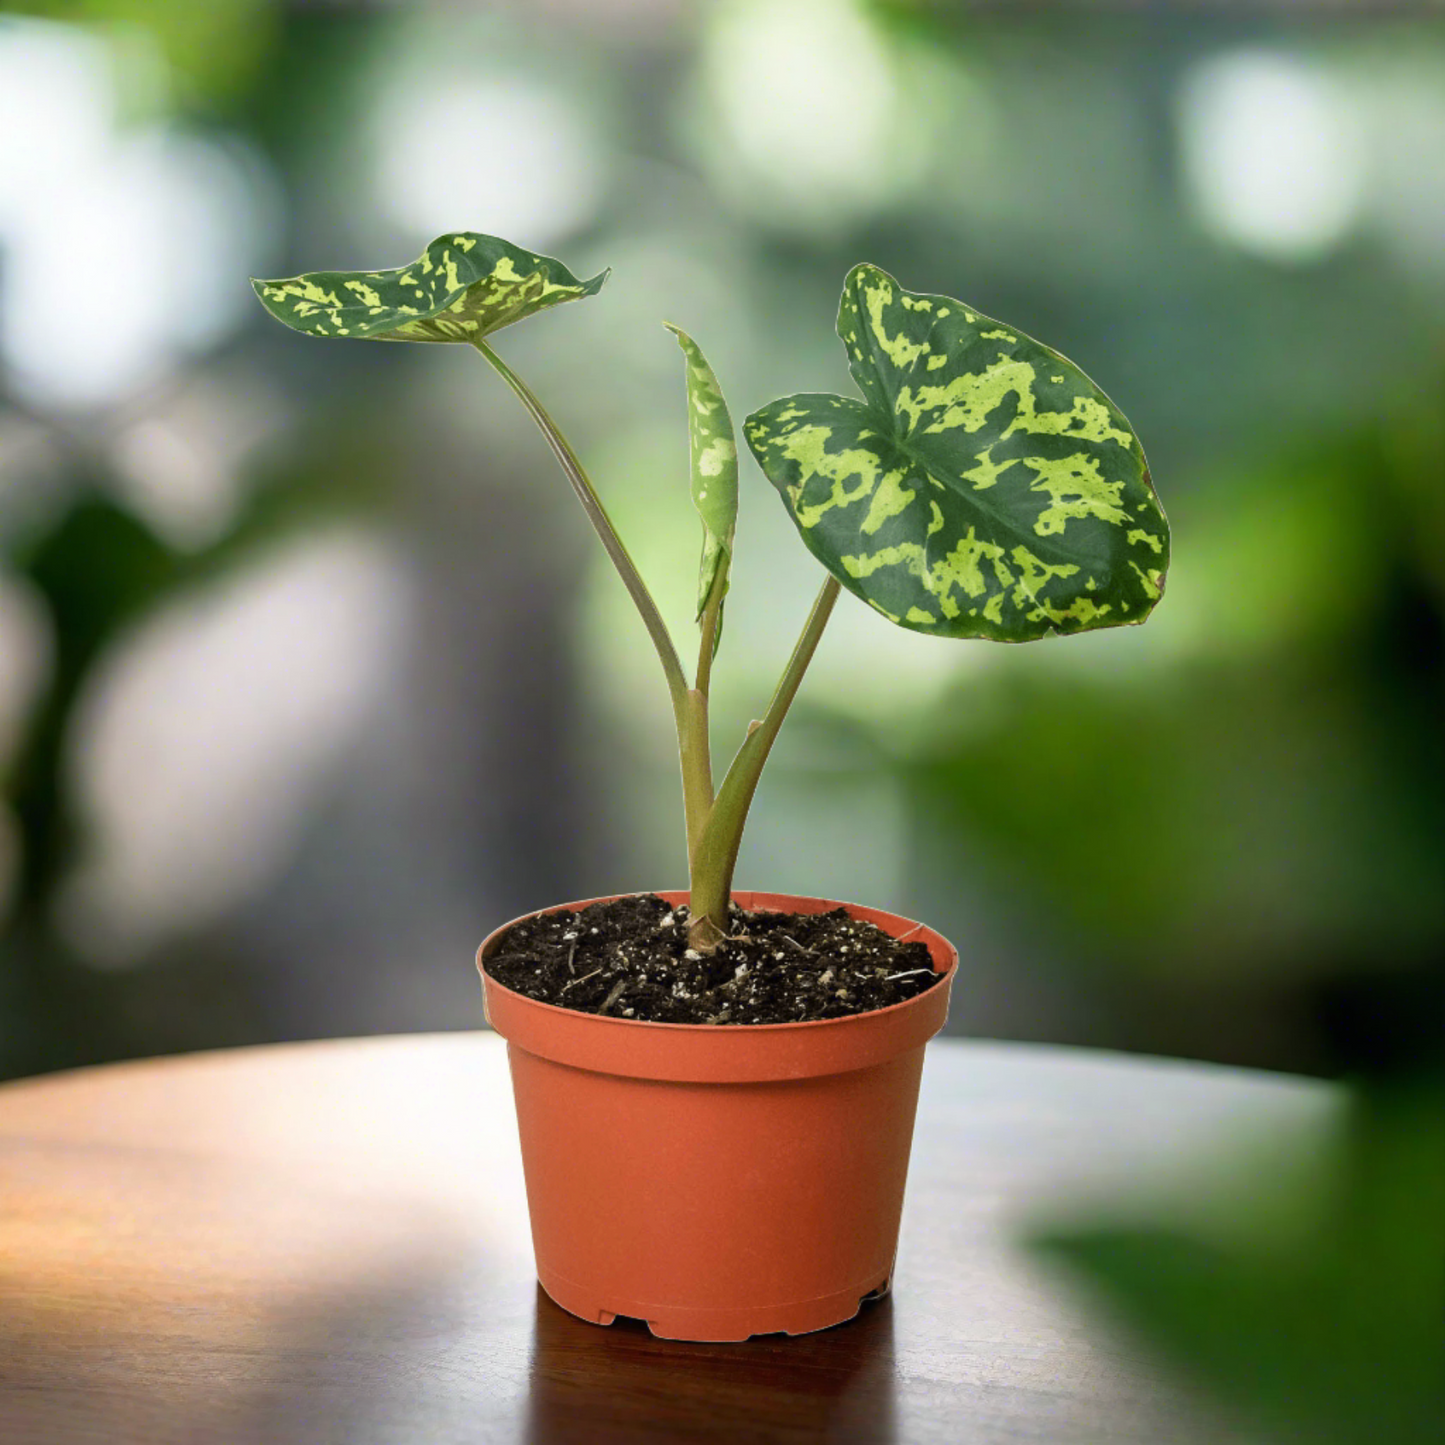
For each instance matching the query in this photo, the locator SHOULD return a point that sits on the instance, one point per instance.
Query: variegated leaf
(985, 487)
(714, 466)
(461, 288)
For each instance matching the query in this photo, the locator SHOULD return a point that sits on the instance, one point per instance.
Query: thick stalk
(694, 742)
(689, 708)
(695, 755)
(716, 855)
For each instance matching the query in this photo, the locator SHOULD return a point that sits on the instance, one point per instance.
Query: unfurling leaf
(461, 288)
(714, 466)
(985, 487)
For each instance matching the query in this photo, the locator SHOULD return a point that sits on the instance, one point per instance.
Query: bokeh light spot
(203, 739)
(804, 123)
(502, 154)
(1273, 153)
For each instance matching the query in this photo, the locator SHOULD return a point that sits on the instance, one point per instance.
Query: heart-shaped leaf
(985, 487)
(461, 288)
(714, 466)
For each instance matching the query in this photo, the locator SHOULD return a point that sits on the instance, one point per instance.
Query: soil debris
(773, 967)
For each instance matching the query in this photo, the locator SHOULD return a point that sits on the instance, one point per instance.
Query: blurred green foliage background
(310, 674)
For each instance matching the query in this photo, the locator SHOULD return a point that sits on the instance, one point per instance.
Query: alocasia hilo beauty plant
(981, 487)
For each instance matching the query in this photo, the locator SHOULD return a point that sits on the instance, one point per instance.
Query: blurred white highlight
(502, 155)
(57, 102)
(184, 464)
(807, 125)
(205, 738)
(125, 250)
(1274, 153)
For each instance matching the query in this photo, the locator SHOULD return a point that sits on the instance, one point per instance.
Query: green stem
(716, 854)
(695, 754)
(709, 623)
(689, 707)
(694, 744)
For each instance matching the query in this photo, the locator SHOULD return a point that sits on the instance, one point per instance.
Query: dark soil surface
(629, 959)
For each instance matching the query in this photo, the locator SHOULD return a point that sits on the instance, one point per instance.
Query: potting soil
(630, 959)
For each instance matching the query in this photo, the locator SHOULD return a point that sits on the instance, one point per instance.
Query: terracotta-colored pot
(718, 1181)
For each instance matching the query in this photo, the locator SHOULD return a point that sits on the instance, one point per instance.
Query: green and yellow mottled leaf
(985, 487)
(714, 466)
(461, 288)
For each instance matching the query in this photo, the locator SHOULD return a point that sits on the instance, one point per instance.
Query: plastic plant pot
(718, 1181)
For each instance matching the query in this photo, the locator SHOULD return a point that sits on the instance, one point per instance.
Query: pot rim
(726, 1053)
(676, 895)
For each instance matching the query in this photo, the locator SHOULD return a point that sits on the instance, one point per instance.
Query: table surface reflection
(328, 1243)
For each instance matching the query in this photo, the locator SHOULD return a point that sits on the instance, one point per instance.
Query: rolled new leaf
(984, 487)
(714, 466)
(462, 287)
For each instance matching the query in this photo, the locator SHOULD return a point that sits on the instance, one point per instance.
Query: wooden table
(328, 1242)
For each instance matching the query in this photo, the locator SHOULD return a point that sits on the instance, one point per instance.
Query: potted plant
(715, 1090)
